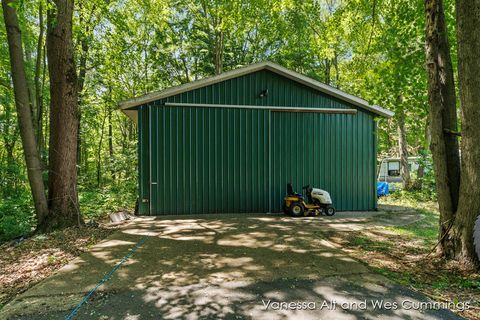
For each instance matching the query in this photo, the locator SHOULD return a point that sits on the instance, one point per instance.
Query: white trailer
(389, 170)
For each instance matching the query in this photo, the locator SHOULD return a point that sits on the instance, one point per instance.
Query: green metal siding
(332, 152)
(239, 160)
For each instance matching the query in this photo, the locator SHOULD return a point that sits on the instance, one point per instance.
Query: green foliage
(428, 189)
(94, 203)
(389, 68)
(16, 215)
(456, 281)
(409, 198)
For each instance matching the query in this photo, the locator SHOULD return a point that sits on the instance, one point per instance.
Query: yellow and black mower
(319, 202)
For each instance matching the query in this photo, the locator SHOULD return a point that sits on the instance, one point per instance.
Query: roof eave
(328, 90)
(149, 97)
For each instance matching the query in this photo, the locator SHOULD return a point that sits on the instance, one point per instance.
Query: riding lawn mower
(319, 202)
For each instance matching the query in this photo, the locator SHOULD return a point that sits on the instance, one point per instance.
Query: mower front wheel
(297, 209)
(330, 211)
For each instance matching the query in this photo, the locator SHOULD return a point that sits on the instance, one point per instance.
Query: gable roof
(157, 95)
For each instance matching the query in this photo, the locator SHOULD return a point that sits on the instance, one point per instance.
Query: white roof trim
(272, 108)
(246, 70)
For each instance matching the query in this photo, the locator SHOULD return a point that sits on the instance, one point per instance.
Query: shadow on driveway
(221, 266)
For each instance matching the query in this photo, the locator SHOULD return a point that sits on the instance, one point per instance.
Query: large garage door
(334, 152)
(208, 160)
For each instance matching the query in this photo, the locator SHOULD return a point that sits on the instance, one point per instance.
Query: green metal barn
(231, 143)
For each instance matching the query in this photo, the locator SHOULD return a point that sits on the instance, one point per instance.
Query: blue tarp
(382, 189)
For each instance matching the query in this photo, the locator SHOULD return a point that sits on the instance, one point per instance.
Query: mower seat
(292, 193)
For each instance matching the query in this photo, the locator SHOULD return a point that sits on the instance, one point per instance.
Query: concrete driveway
(225, 266)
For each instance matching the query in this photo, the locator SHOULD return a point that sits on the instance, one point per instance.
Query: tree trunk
(31, 92)
(42, 131)
(9, 173)
(337, 72)
(37, 79)
(9, 141)
(99, 153)
(110, 143)
(423, 152)
(468, 20)
(62, 176)
(27, 133)
(443, 119)
(218, 51)
(80, 85)
(328, 68)
(403, 149)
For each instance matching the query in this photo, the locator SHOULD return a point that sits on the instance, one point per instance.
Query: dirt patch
(25, 263)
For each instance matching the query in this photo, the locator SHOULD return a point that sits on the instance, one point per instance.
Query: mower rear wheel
(330, 211)
(297, 209)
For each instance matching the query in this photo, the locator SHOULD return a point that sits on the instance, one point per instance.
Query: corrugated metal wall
(331, 152)
(201, 160)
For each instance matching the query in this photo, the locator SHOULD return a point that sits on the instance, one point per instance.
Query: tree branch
(452, 132)
(373, 25)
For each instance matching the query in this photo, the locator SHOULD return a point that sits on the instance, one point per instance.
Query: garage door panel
(209, 160)
(332, 152)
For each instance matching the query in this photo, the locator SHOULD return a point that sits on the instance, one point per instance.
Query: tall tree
(403, 146)
(88, 15)
(23, 105)
(39, 60)
(62, 175)
(468, 37)
(443, 121)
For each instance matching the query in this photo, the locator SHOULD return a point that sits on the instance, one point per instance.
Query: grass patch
(413, 200)
(403, 278)
(368, 244)
(425, 230)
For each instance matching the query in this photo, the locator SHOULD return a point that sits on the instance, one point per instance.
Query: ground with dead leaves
(25, 262)
(405, 254)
